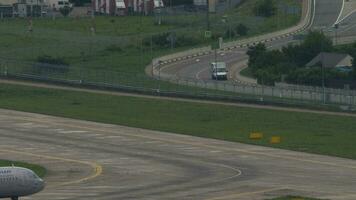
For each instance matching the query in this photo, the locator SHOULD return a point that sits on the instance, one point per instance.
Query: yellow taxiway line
(97, 169)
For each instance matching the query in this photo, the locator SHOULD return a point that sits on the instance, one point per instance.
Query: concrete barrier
(182, 55)
(303, 24)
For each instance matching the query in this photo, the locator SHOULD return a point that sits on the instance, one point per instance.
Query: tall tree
(315, 43)
(353, 74)
(255, 51)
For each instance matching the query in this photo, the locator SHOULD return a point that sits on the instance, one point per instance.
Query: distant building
(6, 8)
(57, 4)
(123, 7)
(332, 60)
(7, 2)
(212, 4)
(25, 8)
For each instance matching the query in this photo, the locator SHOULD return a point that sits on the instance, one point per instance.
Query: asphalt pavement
(326, 13)
(196, 71)
(87, 160)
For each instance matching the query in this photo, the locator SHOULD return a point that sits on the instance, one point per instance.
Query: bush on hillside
(65, 10)
(168, 40)
(265, 8)
(47, 64)
(241, 29)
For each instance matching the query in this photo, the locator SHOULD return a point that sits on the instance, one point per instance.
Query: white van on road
(218, 71)
(58, 4)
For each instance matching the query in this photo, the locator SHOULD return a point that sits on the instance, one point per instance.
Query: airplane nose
(41, 184)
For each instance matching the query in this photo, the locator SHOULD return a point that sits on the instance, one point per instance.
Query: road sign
(207, 34)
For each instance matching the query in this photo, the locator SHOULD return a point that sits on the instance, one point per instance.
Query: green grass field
(247, 72)
(316, 133)
(39, 170)
(72, 40)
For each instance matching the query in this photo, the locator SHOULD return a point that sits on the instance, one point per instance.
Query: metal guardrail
(192, 88)
(197, 88)
(313, 95)
(300, 93)
(303, 25)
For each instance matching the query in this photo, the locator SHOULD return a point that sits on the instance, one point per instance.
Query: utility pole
(323, 77)
(207, 15)
(336, 26)
(323, 71)
(159, 14)
(216, 63)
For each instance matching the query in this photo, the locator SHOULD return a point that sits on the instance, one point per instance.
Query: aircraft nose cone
(41, 184)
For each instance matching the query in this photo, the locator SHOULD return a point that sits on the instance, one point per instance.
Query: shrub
(178, 2)
(50, 60)
(183, 40)
(265, 77)
(265, 8)
(241, 29)
(229, 33)
(47, 64)
(113, 48)
(166, 40)
(65, 10)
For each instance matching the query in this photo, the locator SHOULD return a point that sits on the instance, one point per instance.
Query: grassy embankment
(122, 45)
(316, 133)
(39, 170)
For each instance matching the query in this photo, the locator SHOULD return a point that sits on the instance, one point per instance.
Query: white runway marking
(74, 131)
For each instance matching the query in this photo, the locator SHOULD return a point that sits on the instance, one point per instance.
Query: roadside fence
(163, 84)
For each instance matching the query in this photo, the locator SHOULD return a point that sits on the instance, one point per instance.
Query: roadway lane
(199, 68)
(142, 164)
(347, 27)
(326, 12)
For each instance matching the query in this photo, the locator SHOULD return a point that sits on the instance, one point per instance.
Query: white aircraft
(16, 182)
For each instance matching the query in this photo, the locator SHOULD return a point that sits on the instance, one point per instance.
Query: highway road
(196, 71)
(326, 13)
(95, 161)
(198, 68)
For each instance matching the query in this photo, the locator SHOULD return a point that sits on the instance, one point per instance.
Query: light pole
(323, 77)
(207, 15)
(323, 69)
(336, 26)
(151, 43)
(159, 79)
(159, 14)
(215, 69)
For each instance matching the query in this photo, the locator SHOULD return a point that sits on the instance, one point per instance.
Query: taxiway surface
(88, 160)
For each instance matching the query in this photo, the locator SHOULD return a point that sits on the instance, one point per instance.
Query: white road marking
(72, 131)
(31, 125)
(197, 76)
(338, 20)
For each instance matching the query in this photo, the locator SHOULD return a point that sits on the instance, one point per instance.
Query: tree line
(289, 63)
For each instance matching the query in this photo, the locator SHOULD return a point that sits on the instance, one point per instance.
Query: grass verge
(128, 44)
(39, 170)
(316, 133)
(247, 72)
